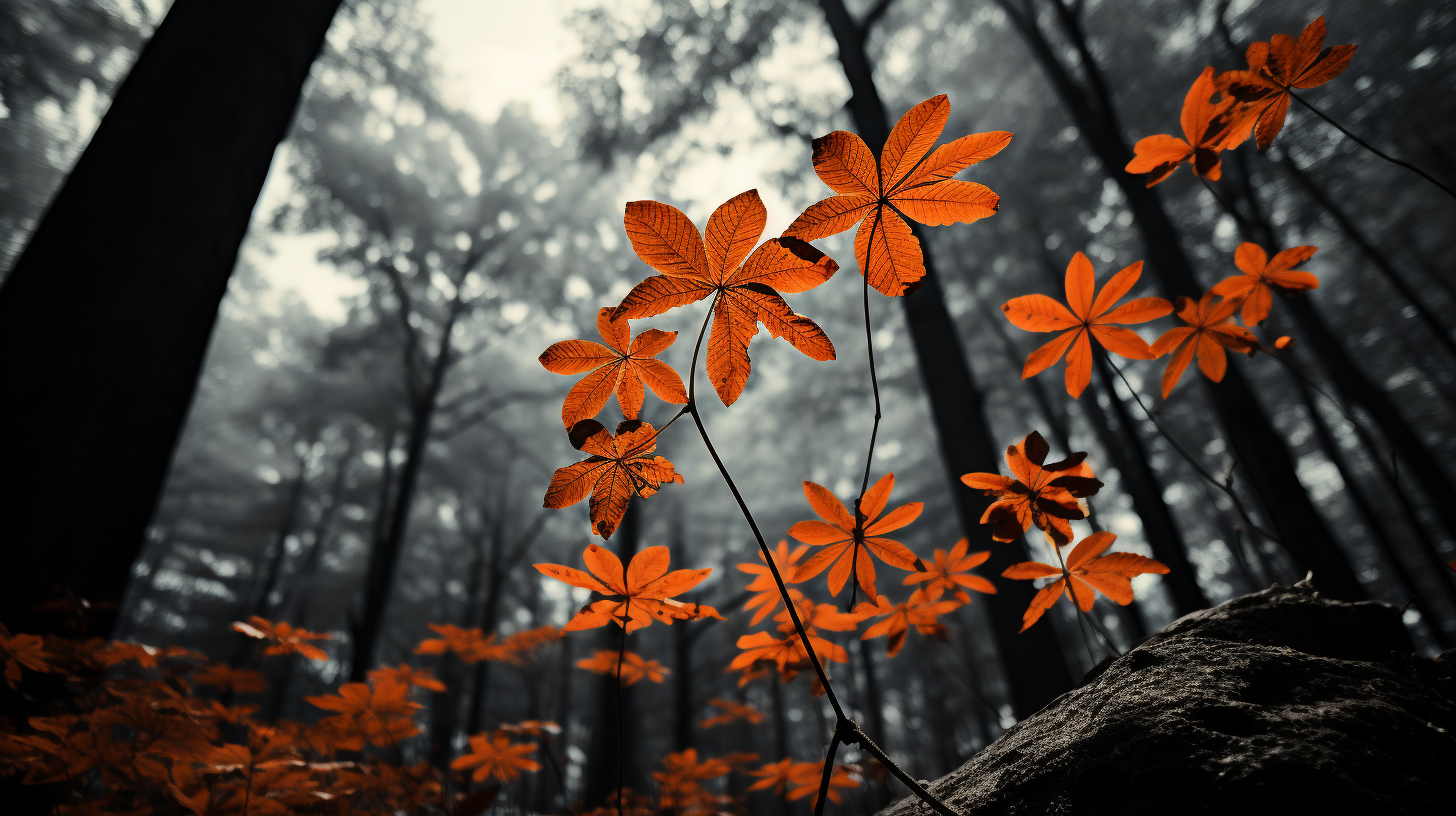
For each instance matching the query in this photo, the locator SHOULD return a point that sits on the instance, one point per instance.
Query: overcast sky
(492, 52)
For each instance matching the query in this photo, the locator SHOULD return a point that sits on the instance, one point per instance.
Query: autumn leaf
(1091, 316)
(634, 599)
(283, 638)
(380, 711)
(766, 595)
(1036, 493)
(776, 777)
(1260, 273)
(407, 675)
(951, 572)
(679, 783)
(22, 650)
(227, 678)
(732, 712)
(1086, 573)
(634, 667)
(521, 646)
(745, 292)
(624, 365)
(854, 535)
(496, 757)
(806, 781)
(618, 468)
(1277, 67)
(1210, 330)
(1207, 130)
(469, 645)
(898, 618)
(904, 183)
(786, 652)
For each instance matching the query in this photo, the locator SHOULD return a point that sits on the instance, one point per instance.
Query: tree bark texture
(106, 317)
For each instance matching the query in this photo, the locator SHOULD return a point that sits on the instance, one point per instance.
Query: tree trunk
(1035, 667)
(683, 698)
(106, 316)
(600, 782)
(384, 557)
(1138, 479)
(1254, 443)
(1370, 518)
(287, 522)
(1367, 248)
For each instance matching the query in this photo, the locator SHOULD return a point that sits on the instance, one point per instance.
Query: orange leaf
(745, 292)
(1087, 572)
(903, 182)
(617, 367)
(1090, 314)
(848, 539)
(634, 599)
(619, 467)
(1040, 494)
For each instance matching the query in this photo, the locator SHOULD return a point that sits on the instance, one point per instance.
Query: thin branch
(1357, 140)
(1226, 487)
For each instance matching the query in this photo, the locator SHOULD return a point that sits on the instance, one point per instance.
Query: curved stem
(1084, 617)
(875, 385)
(1076, 605)
(828, 773)
(859, 518)
(1200, 469)
(1357, 140)
(843, 724)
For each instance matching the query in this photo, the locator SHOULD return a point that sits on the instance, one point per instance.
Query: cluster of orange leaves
(1208, 331)
(876, 194)
(1049, 497)
(1221, 112)
(133, 733)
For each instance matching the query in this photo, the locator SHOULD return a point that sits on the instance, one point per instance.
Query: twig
(828, 772)
(1227, 488)
(859, 517)
(1357, 140)
(843, 724)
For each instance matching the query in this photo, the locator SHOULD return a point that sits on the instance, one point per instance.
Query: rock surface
(1277, 700)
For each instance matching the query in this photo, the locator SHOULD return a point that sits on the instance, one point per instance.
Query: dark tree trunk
(1254, 443)
(1035, 667)
(287, 522)
(1138, 480)
(1367, 248)
(106, 316)
(1130, 457)
(489, 605)
(384, 556)
(1370, 518)
(683, 637)
(607, 736)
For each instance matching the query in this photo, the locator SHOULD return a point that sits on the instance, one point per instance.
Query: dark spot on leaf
(584, 430)
(628, 426)
(1036, 448)
(802, 249)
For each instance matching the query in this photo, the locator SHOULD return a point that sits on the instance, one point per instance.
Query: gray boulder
(1279, 701)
